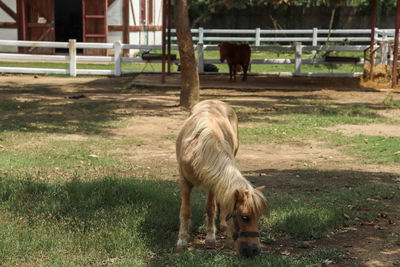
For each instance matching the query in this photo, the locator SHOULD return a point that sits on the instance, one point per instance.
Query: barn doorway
(68, 20)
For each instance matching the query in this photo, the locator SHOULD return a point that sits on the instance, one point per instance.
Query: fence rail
(313, 36)
(72, 59)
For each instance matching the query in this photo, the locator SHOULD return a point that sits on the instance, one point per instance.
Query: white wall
(115, 13)
(8, 34)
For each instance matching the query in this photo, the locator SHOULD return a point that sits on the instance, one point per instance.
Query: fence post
(72, 57)
(201, 35)
(200, 57)
(297, 59)
(314, 39)
(385, 48)
(377, 41)
(117, 58)
(258, 36)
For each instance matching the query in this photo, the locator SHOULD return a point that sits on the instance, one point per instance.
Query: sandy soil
(281, 167)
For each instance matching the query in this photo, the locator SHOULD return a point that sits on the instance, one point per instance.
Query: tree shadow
(313, 180)
(262, 110)
(90, 109)
(148, 208)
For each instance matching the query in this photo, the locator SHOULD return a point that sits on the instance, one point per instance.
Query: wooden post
(372, 44)
(200, 57)
(106, 21)
(258, 36)
(315, 40)
(21, 14)
(72, 57)
(169, 36)
(164, 20)
(125, 23)
(297, 59)
(385, 48)
(201, 35)
(117, 58)
(396, 46)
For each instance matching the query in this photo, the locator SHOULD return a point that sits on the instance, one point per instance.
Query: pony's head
(223, 51)
(242, 221)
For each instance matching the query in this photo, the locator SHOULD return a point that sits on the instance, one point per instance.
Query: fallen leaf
(93, 156)
(286, 253)
(368, 223)
(396, 153)
(327, 262)
(347, 217)
(378, 227)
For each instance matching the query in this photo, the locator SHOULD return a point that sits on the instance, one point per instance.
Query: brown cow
(236, 55)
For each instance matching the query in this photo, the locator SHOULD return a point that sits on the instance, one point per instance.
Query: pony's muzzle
(249, 249)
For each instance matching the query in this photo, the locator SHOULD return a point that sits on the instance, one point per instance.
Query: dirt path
(157, 120)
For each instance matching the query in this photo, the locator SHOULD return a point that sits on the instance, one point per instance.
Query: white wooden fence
(118, 59)
(313, 36)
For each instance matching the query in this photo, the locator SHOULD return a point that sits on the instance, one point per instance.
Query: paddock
(91, 160)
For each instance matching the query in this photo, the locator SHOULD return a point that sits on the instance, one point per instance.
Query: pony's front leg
(211, 209)
(230, 72)
(186, 189)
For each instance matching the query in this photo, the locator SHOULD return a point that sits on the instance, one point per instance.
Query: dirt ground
(280, 167)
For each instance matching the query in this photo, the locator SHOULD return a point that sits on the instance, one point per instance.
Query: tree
(190, 85)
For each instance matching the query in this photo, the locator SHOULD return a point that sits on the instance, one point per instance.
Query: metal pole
(164, 21)
(396, 46)
(372, 44)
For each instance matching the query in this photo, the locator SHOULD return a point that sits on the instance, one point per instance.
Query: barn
(130, 21)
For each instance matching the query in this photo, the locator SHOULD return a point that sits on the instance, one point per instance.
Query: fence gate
(95, 28)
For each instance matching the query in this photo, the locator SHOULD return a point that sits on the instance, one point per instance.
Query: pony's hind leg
(186, 189)
(245, 67)
(211, 208)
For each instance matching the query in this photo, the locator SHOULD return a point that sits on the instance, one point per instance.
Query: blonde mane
(215, 166)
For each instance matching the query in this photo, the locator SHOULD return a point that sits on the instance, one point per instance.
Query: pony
(236, 55)
(206, 148)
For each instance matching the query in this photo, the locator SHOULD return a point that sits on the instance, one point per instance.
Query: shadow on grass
(148, 208)
(120, 217)
(46, 108)
(309, 204)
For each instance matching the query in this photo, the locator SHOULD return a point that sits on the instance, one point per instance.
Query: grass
(88, 222)
(303, 120)
(68, 201)
(112, 218)
(315, 215)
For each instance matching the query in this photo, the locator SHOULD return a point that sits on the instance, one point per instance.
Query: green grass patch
(390, 102)
(373, 149)
(135, 221)
(301, 120)
(89, 117)
(81, 223)
(308, 216)
(194, 259)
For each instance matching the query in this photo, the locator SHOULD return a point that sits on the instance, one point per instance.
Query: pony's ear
(241, 196)
(261, 188)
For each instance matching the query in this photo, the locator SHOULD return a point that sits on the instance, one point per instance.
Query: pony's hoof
(181, 246)
(210, 244)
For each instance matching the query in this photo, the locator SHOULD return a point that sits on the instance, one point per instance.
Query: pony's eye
(245, 218)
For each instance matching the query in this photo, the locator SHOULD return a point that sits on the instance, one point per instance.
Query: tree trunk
(190, 85)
